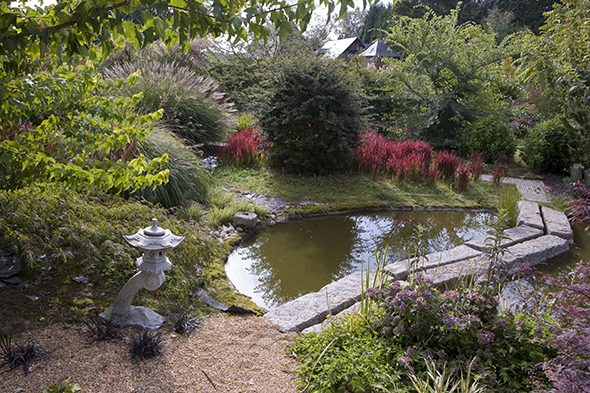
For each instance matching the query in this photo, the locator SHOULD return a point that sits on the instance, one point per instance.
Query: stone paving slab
(447, 276)
(310, 309)
(556, 223)
(531, 190)
(536, 251)
(530, 214)
(399, 269)
(514, 235)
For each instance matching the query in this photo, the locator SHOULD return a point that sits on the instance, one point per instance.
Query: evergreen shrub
(546, 147)
(312, 117)
(489, 135)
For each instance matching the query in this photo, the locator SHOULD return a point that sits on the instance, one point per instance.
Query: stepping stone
(529, 214)
(399, 269)
(514, 235)
(536, 251)
(556, 223)
(447, 277)
(311, 309)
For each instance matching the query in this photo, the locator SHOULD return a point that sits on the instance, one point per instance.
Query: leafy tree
(471, 11)
(557, 62)
(527, 13)
(312, 117)
(375, 23)
(501, 23)
(351, 24)
(59, 128)
(56, 127)
(440, 82)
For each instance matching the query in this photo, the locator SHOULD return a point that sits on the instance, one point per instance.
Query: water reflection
(288, 260)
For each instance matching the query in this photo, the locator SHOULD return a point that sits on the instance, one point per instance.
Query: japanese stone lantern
(154, 242)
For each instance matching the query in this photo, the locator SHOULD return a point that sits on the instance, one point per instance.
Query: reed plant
(188, 179)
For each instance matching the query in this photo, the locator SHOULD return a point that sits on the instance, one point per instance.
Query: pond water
(288, 260)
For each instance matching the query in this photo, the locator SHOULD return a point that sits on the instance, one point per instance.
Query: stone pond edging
(541, 233)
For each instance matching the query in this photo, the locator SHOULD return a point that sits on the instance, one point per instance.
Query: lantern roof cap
(154, 238)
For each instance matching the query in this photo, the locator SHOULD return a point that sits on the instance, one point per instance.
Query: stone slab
(399, 269)
(529, 214)
(137, 317)
(514, 235)
(311, 309)
(557, 224)
(447, 276)
(536, 251)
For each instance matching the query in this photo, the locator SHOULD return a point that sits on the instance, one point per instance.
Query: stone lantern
(154, 242)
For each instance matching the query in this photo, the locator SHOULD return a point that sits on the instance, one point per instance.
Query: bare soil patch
(238, 354)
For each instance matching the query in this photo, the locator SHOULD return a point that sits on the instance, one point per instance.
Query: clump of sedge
(101, 330)
(185, 324)
(145, 345)
(15, 354)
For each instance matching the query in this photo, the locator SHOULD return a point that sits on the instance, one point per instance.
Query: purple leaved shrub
(564, 312)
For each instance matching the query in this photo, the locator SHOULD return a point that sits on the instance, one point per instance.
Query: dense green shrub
(313, 116)
(188, 178)
(193, 106)
(348, 353)
(490, 135)
(546, 147)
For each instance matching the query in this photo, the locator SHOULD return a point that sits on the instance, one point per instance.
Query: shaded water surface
(288, 260)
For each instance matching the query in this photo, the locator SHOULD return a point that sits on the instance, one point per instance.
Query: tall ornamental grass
(194, 108)
(188, 179)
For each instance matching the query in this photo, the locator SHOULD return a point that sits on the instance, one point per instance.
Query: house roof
(334, 49)
(380, 49)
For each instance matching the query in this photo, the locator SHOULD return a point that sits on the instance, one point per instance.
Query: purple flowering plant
(457, 326)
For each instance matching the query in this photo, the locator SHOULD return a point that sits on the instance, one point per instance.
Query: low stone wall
(540, 234)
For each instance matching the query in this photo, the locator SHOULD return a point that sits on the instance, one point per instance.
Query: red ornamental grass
(372, 153)
(499, 174)
(447, 163)
(462, 177)
(402, 160)
(242, 148)
(580, 206)
(476, 170)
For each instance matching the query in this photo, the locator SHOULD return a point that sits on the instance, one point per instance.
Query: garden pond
(288, 260)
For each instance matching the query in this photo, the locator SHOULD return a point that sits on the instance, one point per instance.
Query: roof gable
(337, 48)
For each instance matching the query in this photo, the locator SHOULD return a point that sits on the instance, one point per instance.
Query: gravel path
(237, 354)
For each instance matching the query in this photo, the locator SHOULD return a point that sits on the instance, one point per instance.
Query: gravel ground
(237, 354)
